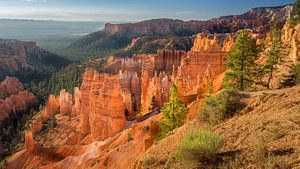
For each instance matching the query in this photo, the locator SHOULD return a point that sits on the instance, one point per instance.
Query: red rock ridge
(16, 98)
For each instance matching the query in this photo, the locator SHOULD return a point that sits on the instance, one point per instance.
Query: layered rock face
(131, 89)
(207, 55)
(134, 64)
(102, 105)
(295, 44)
(166, 59)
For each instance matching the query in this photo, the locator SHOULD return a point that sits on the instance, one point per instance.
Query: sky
(127, 10)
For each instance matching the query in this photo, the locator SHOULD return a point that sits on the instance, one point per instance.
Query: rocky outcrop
(166, 59)
(77, 102)
(134, 64)
(205, 56)
(65, 102)
(52, 106)
(203, 43)
(130, 84)
(155, 91)
(29, 142)
(102, 105)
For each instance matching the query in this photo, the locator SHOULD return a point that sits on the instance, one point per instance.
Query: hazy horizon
(126, 10)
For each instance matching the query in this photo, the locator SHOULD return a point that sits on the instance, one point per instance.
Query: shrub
(199, 146)
(220, 107)
(129, 136)
(148, 161)
(260, 150)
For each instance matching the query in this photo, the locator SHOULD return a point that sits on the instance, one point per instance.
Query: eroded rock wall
(102, 105)
(206, 55)
(166, 59)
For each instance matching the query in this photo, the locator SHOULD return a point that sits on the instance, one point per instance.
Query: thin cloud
(87, 14)
(34, 0)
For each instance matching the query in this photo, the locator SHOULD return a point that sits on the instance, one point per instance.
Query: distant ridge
(117, 36)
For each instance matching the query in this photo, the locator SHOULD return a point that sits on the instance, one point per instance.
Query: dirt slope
(269, 118)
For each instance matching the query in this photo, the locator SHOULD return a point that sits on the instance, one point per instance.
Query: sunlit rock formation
(77, 102)
(29, 142)
(52, 106)
(65, 102)
(206, 54)
(102, 105)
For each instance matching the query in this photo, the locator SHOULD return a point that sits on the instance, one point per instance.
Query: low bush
(148, 161)
(129, 136)
(199, 146)
(220, 107)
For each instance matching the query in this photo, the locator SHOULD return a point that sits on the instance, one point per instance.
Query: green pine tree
(173, 113)
(241, 62)
(274, 53)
